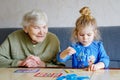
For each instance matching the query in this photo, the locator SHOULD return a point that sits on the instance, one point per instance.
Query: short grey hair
(34, 17)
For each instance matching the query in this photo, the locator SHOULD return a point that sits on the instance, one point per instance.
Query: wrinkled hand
(32, 61)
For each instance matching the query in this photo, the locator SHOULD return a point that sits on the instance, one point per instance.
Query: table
(108, 74)
(9, 74)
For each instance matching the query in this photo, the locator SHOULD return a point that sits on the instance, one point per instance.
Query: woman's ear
(25, 29)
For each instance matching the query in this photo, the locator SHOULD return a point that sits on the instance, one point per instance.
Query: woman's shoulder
(52, 35)
(17, 33)
(51, 38)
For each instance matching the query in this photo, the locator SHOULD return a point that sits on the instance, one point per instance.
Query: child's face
(86, 35)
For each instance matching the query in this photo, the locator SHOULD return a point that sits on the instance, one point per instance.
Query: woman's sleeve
(5, 56)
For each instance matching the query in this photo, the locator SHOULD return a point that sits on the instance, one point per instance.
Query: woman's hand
(32, 61)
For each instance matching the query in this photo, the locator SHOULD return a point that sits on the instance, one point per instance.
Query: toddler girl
(86, 51)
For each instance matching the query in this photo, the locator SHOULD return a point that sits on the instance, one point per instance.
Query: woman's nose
(40, 32)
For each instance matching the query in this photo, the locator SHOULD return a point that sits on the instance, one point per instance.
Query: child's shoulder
(98, 43)
(77, 44)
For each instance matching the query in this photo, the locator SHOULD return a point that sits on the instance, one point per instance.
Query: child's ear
(76, 35)
(95, 31)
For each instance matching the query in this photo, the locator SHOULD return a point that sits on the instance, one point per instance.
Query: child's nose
(85, 37)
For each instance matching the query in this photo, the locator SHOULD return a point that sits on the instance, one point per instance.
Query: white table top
(10, 74)
(110, 74)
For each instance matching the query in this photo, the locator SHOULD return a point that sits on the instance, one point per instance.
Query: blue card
(73, 77)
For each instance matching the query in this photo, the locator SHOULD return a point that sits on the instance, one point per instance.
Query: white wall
(61, 13)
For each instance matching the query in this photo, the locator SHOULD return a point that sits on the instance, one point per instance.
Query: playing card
(26, 70)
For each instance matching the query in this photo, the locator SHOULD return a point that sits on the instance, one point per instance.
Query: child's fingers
(71, 50)
(88, 68)
(93, 67)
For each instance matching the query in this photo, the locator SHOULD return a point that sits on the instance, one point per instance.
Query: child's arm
(103, 59)
(68, 51)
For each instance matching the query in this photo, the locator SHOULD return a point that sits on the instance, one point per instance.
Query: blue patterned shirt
(84, 56)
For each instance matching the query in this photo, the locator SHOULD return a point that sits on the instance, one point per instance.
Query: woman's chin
(37, 41)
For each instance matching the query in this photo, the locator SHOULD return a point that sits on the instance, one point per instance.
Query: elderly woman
(33, 46)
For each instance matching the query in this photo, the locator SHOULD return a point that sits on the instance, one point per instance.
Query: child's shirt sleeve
(63, 60)
(103, 55)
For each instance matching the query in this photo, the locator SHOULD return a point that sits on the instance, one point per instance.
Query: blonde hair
(34, 17)
(84, 21)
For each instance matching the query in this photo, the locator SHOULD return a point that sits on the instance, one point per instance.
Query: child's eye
(81, 34)
(89, 34)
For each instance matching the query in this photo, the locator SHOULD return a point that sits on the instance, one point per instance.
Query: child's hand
(92, 67)
(71, 51)
(68, 51)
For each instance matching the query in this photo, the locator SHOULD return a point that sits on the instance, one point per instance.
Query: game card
(43, 74)
(26, 70)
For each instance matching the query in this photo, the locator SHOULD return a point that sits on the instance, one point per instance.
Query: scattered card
(43, 74)
(26, 70)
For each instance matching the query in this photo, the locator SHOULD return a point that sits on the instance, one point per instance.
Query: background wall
(61, 13)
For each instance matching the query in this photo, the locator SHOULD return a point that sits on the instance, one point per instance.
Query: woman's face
(37, 33)
(86, 35)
